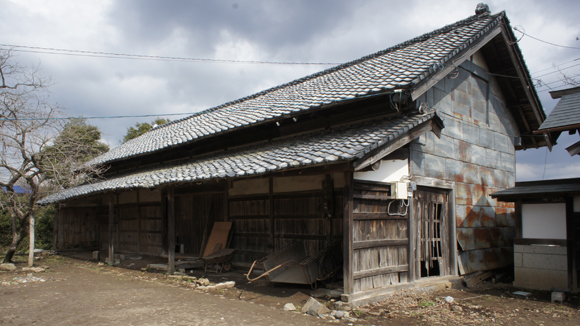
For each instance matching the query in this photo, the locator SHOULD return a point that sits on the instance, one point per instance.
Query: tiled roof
(320, 148)
(565, 113)
(539, 188)
(397, 67)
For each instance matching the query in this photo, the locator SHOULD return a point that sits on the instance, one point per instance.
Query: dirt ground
(75, 289)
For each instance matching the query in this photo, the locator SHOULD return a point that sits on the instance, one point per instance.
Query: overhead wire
(540, 40)
(83, 53)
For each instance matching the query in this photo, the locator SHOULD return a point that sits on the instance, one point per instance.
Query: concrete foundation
(540, 267)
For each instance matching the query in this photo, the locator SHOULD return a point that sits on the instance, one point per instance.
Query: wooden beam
(347, 233)
(574, 149)
(372, 197)
(379, 243)
(170, 230)
(430, 81)
(380, 271)
(111, 226)
(138, 221)
(377, 216)
(393, 145)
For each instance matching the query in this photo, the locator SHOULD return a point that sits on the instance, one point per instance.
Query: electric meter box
(399, 190)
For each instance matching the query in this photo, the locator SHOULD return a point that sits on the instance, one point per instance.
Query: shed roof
(399, 67)
(566, 113)
(320, 148)
(546, 188)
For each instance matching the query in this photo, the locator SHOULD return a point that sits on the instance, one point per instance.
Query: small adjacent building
(395, 155)
(546, 255)
(546, 246)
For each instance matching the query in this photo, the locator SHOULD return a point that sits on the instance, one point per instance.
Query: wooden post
(347, 232)
(138, 220)
(170, 230)
(55, 229)
(111, 225)
(328, 188)
(271, 213)
(61, 231)
(31, 242)
(570, 240)
(411, 237)
(518, 212)
(452, 232)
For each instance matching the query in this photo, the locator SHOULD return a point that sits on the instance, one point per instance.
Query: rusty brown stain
(463, 196)
(482, 238)
(496, 237)
(464, 149)
(472, 215)
(465, 239)
(487, 219)
(501, 218)
(477, 194)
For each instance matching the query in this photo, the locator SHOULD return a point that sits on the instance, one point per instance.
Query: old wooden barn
(394, 154)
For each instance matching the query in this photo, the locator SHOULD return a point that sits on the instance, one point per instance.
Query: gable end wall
(476, 154)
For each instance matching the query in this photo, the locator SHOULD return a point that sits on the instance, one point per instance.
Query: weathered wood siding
(380, 240)
(264, 223)
(78, 226)
(194, 217)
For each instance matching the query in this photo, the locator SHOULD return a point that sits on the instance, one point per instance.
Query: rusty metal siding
(476, 152)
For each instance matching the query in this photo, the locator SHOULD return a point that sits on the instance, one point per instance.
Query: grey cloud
(271, 24)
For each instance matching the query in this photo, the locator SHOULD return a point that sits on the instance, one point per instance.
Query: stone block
(540, 279)
(541, 249)
(558, 297)
(289, 307)
(472, 216)
(545, 261)
(8, 267)
(478, 115)
(313, 307)
(518, 259)
(463, 194)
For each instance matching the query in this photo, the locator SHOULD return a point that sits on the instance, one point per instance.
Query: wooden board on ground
(218, 237)
(476, 278)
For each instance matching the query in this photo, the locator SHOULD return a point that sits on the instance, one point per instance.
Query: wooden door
(431, 220)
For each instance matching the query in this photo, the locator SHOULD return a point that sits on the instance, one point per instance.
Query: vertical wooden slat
(111, 225)
(452, 232)
(348, 232)
(171, 230)
(138, 220)
(271, 213)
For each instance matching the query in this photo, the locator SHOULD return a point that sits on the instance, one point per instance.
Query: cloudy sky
(322, 31)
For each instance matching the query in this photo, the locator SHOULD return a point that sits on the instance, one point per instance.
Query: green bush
(42, 229)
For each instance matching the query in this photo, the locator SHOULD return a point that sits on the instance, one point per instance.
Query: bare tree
(29, 135)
